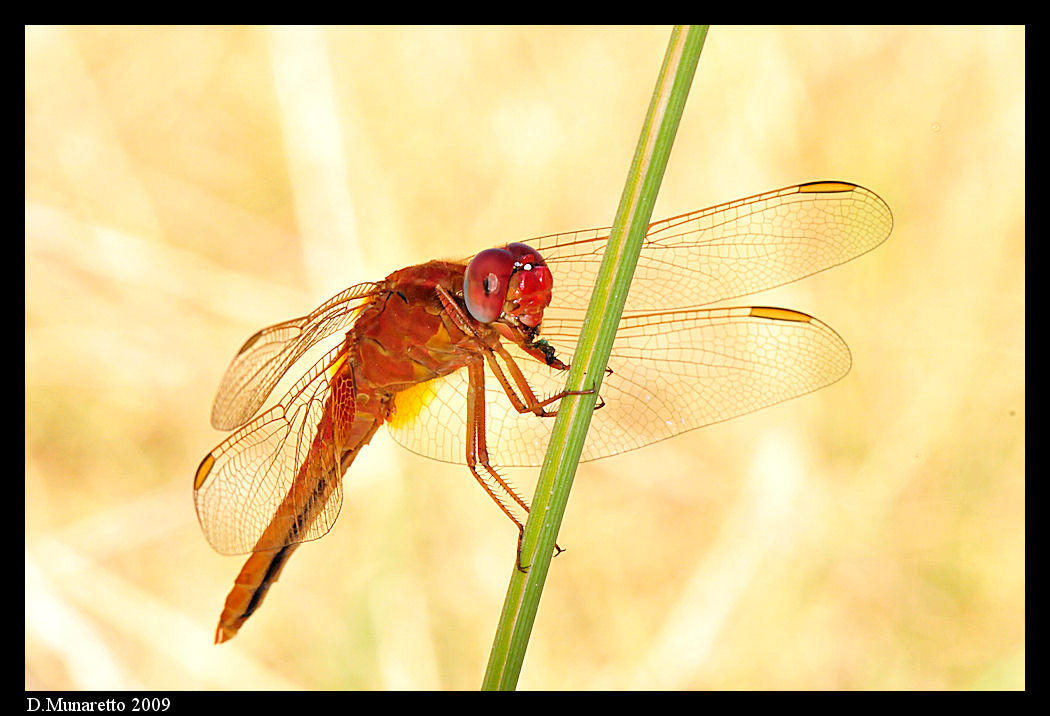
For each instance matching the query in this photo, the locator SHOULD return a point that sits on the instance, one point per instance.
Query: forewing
(265, 357)
(726, 251)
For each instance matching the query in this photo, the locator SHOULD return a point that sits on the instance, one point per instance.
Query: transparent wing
(264, 359)
(676, 370)
(726, 251)
(672, 372)
(278, 479)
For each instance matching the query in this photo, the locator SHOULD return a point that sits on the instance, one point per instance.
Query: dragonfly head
(512, 283)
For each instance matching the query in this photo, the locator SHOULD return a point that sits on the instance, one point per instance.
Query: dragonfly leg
(528, 402)
(477, 455)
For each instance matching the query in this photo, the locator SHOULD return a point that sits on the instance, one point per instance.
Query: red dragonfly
(464, 361)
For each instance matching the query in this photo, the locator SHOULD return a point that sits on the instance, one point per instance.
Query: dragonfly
(464, 361)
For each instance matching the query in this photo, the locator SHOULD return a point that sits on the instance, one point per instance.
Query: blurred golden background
(187, 186)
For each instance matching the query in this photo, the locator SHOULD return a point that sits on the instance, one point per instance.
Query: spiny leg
(477, 453)
(528, 402)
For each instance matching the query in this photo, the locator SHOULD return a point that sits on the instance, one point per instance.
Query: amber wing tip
(826, 187)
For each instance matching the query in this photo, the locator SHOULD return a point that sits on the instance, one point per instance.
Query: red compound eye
(485, 283)
(514, 280)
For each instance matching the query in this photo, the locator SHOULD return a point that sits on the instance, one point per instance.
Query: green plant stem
(592, 355)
